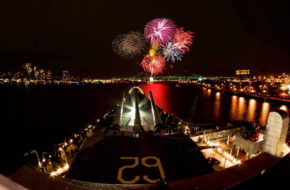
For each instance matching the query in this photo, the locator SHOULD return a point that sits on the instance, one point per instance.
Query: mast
(155, 114)
(122, 110)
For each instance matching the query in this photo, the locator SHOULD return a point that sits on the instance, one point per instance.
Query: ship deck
(179, 158)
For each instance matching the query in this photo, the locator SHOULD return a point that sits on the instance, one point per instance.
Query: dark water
(201, 105)
(39, 116)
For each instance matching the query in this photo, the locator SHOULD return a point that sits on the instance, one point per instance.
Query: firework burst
(153, 64)
(171, 52)
(159, 29)
(166, 43)
(183, 39)
(129, 45)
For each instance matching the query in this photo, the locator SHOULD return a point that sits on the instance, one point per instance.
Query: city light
(60, 171)
(286, 149)
(284, 108)
(131, 114)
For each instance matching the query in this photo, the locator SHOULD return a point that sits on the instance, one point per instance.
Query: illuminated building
(28, 68)
(42, 74)
(242, 72)
(65, 75)
(36, 73)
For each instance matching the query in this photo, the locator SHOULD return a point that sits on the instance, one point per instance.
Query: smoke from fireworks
(183, 39)
(129, 45)
(153, 64)
(159, 29)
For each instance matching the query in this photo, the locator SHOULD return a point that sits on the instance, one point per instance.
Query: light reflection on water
(252, 110)
(264, 113)
(217, 106)
(202, 105)
(161, 95)
(247, 109)
(234, 105)
(208, 92)
(241, 108)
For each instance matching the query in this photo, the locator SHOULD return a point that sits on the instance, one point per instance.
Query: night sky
(77, 34)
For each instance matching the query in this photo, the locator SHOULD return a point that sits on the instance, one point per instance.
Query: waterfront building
(65, 75)
(243, 72)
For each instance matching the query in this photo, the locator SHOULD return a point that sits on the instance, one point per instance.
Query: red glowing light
(160, 94)
(153, 64)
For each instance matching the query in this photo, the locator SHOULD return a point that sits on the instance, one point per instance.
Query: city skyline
(78, 37)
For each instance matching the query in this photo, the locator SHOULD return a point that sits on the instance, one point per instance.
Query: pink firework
(153, 64)
(159, 29)
(183, 39)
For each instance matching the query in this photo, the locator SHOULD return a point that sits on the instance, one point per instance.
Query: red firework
(153, 64)
(183, 39)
